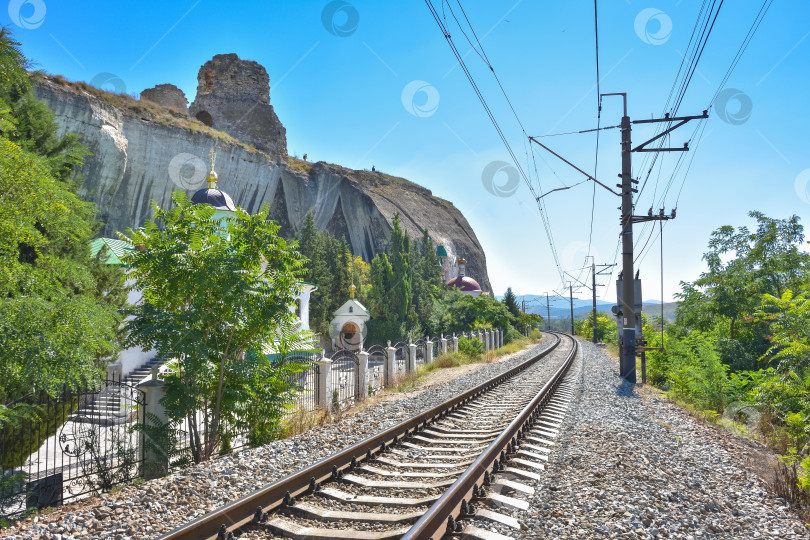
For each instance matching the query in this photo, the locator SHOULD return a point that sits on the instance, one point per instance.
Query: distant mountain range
(560, 306)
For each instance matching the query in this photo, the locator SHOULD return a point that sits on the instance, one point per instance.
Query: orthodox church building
(134, 358)
(454, 273)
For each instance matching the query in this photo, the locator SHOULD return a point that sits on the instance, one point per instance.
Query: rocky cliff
(144, 153)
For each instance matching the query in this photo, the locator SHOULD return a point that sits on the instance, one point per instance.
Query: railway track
(468, 460)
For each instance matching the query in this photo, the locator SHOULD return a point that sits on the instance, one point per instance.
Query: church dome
(212, 195)
(465, 283)
(215, 197)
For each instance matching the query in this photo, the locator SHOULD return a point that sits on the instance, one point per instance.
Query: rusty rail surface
(250, 507)
(442, 517)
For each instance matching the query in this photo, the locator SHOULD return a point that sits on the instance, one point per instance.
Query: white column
(444, 345)
(428, 351)
(362, 374)
(411, 357)
(325, 384)
(155, 457)
(455, 342)
(502, 333)
(389, 370)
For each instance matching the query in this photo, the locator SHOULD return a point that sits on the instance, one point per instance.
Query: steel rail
(246, 510)
(442, 517)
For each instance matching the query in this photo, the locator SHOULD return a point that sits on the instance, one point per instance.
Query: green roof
(115, 249)
(440, 251)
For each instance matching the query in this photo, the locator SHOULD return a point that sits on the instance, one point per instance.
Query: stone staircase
(114, 404)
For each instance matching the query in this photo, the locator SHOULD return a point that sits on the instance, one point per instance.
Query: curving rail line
(443, 516)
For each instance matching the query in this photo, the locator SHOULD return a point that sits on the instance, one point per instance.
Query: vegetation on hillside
(58, 306)
(741, 340)
(402, 289)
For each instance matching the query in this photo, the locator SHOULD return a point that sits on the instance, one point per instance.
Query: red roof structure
(465, 283)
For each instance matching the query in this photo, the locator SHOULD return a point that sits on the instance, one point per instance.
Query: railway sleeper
(312, 511)
(372, 500)
(432, 448)
(289, 529)
(410, 474)
(462, 461)
(365, 482)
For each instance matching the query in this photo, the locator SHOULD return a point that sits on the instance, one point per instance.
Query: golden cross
(213, 155)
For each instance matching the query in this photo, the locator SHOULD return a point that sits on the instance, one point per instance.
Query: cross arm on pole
(681, 121)
(572, 165)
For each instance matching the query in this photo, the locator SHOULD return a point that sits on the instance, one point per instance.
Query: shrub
(511, 334)
(470, 347)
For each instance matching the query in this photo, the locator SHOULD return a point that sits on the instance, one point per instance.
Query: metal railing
(78, 443)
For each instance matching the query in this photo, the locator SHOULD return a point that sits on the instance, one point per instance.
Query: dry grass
(302, 421)
(146, 110)
(405, 382)
(295, 164)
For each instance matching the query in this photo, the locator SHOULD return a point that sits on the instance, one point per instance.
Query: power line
(445, 32)
(598, 124)
(577, 132)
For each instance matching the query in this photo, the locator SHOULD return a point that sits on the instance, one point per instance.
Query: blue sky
(363, 83)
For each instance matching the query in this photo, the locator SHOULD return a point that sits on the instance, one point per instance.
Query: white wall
(134, 357)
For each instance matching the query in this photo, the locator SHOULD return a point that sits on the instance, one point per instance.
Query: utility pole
(548, 314)
(626, 312)
(627, 359)
(571, 297)
(593, 283)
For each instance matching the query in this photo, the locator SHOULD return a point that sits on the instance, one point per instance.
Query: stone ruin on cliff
(233, 95)
(167, 95)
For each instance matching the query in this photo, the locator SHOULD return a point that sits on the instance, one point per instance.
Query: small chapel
(348, 327)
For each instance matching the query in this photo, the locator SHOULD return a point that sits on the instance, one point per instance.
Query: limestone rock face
(136, 161)
(233, 96)
(167, 95)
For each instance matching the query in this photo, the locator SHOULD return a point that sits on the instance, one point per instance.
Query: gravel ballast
(159, 506)
(629, 464)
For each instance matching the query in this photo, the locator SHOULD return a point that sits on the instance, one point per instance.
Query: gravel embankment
(630, 465)
(158, 506)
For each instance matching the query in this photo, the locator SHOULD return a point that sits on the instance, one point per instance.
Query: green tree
(216, 295)
(426, 283)
(58, 306)
(510, 301)
(788, 319)
(329, 266)
(605, 328)
(460, 312)
(400, 294)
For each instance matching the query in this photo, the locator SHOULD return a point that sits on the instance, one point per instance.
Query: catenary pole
(593, 283)
(571, 297)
